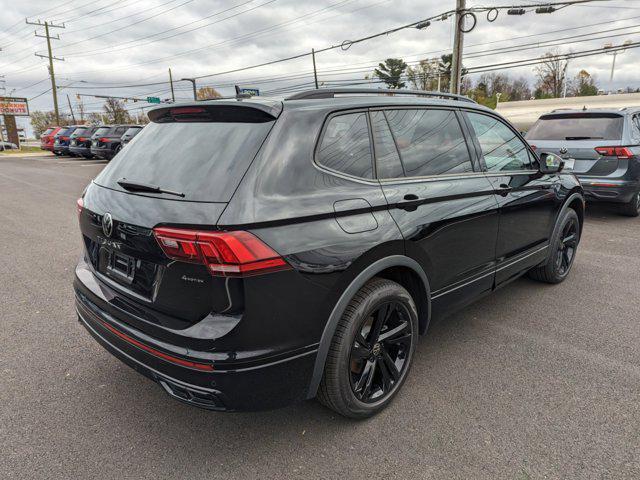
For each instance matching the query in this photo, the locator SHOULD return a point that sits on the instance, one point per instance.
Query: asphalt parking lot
(533, 382)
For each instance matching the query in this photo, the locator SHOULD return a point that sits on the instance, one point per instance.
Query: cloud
(263, 30)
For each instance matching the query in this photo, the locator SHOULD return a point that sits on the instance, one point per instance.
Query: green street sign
(153, 100)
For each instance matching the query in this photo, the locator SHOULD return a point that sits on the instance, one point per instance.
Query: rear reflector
(620, 152)
(156, 353)
(236, 253)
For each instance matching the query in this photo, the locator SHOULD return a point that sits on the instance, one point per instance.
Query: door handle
(504, 189)
(412, 206)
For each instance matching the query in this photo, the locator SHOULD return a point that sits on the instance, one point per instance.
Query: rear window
(203, 160)
(102, 131)
(82, 131)
(582, 126)
(132, 131)
(64, 131)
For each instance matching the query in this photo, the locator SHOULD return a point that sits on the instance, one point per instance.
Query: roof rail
(333, 92)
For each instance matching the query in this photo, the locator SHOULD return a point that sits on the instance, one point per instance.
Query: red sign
(14, 106)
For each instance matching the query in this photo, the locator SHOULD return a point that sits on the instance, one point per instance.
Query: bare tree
(207, 93)
(551, 75)
(115, 111)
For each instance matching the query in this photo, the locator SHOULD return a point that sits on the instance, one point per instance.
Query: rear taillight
(620, 152)
(235, 253)
(104, 140)
(81, 139)
(80, 205)
(64, 138)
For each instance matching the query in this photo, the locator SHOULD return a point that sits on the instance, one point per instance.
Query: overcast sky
(121, 42)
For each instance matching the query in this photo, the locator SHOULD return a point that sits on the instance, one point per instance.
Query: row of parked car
(101, 141)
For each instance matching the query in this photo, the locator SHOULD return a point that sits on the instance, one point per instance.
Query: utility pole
(315, 72)
(458, 40)
(52, 74)
(173, 96)
(193, 82)
(72, 115)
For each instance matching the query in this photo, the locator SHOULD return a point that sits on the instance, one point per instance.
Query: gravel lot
(535, 381)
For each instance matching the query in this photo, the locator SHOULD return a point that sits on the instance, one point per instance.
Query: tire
(564, 246)
(364, 371)
(631, 209)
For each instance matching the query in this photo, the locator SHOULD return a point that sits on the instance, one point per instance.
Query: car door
(528, 199)
(443, 204)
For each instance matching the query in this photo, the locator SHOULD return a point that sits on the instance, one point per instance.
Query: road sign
(17, 107)
(153, 100)
(254, 92)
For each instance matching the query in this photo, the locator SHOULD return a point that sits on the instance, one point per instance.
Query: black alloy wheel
(371, 351)
(562, 250)
(567, 246)
(380, 352)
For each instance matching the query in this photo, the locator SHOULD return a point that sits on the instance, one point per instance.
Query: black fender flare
(565, 207)
(363, 277)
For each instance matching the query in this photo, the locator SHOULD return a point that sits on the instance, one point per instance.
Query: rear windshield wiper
(583, 138)
(145, 187)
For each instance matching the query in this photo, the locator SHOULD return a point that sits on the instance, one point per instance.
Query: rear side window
(120, 130)
(204, 160)
(82, 131)
(430, 142)
(577, 126)
(501, 148)
(47, 131)
(345, 145)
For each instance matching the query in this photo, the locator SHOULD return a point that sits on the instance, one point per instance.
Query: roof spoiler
(220, 111)
(336, 92)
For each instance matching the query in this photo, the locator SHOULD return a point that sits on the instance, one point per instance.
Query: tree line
(488, 88)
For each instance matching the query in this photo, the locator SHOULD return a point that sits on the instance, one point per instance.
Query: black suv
(80, 141)
(602, 147)
(106, 143)
(249, 254)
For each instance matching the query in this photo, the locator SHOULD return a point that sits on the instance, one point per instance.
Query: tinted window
(102, 131)
(345, 145)
(203, 160)
(501, 148)
(64, 132)
(120, 130)
(82, 131)
(577, 126)
(132, 131)
(47, 131)
(387, 159)
(430, 142)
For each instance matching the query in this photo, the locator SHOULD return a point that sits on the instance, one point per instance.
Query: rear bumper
(183, 373)
(105, 153)
(83, 151)
(61, 149)
(48, 147)
(609, 190)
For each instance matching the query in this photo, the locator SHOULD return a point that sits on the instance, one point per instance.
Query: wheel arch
(399, 268)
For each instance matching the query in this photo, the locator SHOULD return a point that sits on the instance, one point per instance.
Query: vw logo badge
(107, 224)
(563, 150)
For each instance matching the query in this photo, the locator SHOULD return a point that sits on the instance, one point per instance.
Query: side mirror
(551, 163)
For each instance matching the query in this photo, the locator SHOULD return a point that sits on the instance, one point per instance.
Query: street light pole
(193, 82)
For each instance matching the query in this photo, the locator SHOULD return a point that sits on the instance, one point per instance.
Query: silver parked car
(601, 147)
